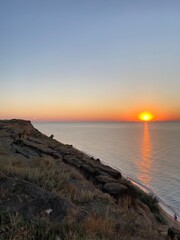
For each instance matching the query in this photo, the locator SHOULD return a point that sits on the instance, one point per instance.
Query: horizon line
(101, 121)
(87, 121)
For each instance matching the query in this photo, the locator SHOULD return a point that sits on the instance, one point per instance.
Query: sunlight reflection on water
(145, 163)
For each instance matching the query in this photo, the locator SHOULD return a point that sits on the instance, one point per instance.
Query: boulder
(110, 171)
(88, 168)
(115, 189)
(72, 160)
(39, 148)
(105, 179)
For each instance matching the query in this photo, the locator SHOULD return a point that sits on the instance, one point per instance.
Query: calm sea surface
(147, 152)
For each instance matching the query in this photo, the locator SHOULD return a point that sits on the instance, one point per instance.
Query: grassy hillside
(49, 190)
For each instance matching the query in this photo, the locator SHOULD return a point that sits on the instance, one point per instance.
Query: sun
(145, 116)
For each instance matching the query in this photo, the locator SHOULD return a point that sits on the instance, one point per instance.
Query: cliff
(49, 190)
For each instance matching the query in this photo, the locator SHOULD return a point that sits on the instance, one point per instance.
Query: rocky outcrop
(28, 142)
(115, 189)
(105, 179)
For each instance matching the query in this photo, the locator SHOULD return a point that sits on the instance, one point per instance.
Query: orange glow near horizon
(146, 116)
(60, 112)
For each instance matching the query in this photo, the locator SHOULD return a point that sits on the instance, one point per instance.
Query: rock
(97, 160)
(105, 179)
(22, 135)
(72, 160)
(100, 172)
(110, 171)
(48, 211)
(114, 189)
(35, 140)
(27, 153)
(88, 171)
(88, 168)
(38, 148)
(52, 136)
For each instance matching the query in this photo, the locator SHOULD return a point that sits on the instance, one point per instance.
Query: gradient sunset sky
(89, 60)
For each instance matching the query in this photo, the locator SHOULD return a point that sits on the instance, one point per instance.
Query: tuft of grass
(86, 196)
(96, 226)
(152, 202)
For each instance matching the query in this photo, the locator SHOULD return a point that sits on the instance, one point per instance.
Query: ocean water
(147, 152)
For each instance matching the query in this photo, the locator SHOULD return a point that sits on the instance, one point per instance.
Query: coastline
(69, 185)
(166, 210)
(114, 152)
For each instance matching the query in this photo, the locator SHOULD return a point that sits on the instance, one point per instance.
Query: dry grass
(14, 227)
(99, 226)
(45, 171)
(54, 176)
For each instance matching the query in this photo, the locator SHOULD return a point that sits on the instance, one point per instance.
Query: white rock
(48, 211)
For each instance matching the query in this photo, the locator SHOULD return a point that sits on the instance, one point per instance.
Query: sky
(97, 60)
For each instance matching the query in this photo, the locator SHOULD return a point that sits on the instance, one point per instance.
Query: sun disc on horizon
(145, 116)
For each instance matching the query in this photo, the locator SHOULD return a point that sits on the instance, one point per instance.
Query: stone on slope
(105, 179)
(115, 189)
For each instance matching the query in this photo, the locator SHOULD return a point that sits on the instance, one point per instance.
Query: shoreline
(168, 210)
(165, 208)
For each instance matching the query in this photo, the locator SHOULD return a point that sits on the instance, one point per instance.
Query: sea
(147, 153)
